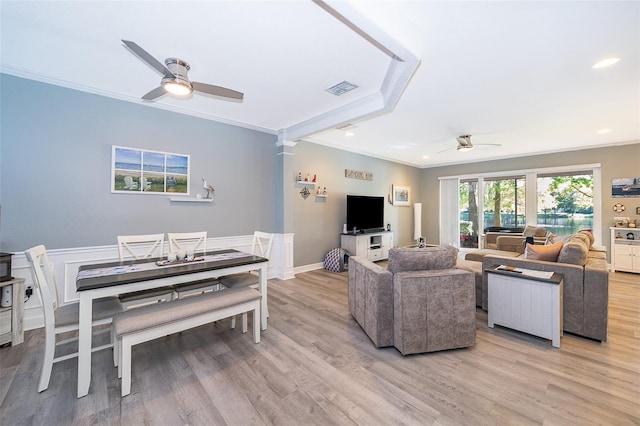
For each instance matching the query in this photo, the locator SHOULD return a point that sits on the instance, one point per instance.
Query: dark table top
(94, 282)
(554, 279)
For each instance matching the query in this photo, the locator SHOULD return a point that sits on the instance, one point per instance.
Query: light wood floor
(316, 366)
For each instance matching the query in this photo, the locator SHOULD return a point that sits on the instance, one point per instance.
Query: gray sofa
(585, 283)
(421, 303)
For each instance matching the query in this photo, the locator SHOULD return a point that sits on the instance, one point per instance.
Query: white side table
(526, 301)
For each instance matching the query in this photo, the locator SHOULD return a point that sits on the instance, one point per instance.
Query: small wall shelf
(320, 196)
(302, 182)
(190, 200)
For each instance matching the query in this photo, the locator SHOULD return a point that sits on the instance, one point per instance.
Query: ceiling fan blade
(155, 93)
(217, 90)
(145, 56)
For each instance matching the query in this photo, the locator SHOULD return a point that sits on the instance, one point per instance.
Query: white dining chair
(260, 246)
(63, 318)
(196, 243)
(143, 247)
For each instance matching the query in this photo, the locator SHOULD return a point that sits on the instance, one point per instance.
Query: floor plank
(315, 365)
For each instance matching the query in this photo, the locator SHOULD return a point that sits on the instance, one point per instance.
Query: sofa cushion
(543, 252)
(574, 252)
(422, 259)
(588, 235)
(585, 236)
(476, 268)
(534, 231)
(554, 238)
(477, 255)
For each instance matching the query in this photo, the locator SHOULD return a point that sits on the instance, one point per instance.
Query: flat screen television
(365, 213)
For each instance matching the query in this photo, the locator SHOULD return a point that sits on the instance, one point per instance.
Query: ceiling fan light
(177, 87)
(465, 148)
(607, 62)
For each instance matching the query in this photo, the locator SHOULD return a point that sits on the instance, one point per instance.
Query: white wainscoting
(67, 261)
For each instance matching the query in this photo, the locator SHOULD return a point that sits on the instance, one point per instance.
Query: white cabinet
(625, 252)
(374, 246)
(526, 303)
(11, 317)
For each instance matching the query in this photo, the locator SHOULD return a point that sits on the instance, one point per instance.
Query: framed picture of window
(400, 195)
(140, 171)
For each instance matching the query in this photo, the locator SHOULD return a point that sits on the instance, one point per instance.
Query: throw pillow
(549, 252)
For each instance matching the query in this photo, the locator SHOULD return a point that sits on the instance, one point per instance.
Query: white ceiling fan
(175, 80)
(464, 144)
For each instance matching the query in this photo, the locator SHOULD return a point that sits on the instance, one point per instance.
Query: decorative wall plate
(619, 208)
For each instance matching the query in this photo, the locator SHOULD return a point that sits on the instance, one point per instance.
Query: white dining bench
(151, 322)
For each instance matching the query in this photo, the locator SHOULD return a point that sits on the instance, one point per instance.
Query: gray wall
(616, 161)
(55, 154)
(318, 221)
(55, 149)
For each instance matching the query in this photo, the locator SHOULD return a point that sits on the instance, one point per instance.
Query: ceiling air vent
(341, 88)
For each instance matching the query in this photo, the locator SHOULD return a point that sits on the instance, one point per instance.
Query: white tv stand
(373, 245)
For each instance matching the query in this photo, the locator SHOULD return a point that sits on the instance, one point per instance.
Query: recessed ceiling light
(349, 133)
(424, 157)
(606, 62)
(603, 131)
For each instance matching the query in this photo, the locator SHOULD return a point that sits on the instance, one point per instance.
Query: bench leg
(244, 322)
(256, 322)
(233, 322)
(125, 365)
(116, 346)
(119, 359)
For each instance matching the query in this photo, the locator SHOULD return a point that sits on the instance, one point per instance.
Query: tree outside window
(565, 202)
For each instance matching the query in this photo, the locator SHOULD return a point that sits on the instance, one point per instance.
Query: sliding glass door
(565, 201)
(469, 213)
(504, 202)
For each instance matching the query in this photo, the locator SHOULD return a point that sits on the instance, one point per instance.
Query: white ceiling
(511, 73)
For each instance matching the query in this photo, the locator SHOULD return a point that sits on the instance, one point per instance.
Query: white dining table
(111, 279)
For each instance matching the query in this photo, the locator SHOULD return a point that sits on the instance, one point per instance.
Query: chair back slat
(140, 246)
(261, 245)
(44, 280)
(196, 241)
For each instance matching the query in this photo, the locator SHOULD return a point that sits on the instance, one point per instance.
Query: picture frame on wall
(625, 187)
(139, 171)
(400, 195)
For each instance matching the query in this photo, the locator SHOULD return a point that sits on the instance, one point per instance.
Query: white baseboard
(307, 268)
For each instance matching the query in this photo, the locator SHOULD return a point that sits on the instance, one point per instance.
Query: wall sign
(355, 174)
(138, 171)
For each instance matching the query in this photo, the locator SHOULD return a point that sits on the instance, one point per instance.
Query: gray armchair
(514, 241)
(420, 304)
